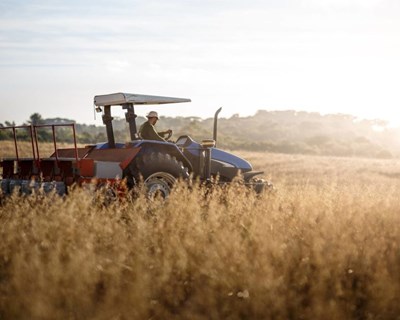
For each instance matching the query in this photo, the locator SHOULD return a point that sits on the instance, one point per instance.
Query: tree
(9, 124)
(43, 134)
(36, 119)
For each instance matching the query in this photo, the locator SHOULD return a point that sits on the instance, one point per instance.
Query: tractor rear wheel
(159, 184)
(159, 172)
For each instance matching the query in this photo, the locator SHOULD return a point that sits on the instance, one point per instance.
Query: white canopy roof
(124, 98)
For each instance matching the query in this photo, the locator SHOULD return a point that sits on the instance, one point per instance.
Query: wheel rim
(159, 183)
(164, 176)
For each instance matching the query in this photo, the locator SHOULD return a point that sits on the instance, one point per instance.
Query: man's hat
(152, 114)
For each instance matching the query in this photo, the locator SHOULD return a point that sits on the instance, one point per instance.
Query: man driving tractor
(148, 131)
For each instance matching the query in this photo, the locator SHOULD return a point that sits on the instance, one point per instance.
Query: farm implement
(156, 164)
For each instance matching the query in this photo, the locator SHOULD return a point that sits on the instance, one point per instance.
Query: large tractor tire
(159, 172)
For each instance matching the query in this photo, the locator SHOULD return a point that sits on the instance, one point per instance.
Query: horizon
(120, 117)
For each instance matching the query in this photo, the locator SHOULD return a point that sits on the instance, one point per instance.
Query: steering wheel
(169, 134)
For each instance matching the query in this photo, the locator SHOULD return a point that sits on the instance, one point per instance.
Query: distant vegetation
(272, 131)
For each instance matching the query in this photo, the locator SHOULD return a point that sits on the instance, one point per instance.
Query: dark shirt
(148, 132)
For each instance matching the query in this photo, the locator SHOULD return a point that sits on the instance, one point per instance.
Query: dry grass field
(324, 245)
(25, 148)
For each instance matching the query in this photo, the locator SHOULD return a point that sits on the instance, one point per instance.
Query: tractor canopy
(120, 98)
(104, 102)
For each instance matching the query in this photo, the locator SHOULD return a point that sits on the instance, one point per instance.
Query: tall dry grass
(325, 245)
(24, 148)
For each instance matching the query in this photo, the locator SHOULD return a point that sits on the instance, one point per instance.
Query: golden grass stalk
(325, 251)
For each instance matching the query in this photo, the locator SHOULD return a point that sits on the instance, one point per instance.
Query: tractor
(156, 164)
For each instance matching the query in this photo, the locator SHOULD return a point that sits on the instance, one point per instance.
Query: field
(324, 245)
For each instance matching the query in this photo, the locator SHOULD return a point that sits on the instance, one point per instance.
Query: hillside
(288, 132)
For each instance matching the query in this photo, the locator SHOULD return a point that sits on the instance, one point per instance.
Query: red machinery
(64, 167)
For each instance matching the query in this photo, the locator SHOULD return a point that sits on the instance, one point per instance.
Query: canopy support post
(107, 120)
(130, 117)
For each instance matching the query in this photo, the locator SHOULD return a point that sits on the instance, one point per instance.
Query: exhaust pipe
(215, 125)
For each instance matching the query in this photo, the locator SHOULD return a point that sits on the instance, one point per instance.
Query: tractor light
(208, 143)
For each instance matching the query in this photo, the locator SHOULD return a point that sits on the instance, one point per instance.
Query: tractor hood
(229, 160)
(220, 160)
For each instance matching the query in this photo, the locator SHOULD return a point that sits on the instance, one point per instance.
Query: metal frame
(52, 126)
(31, 134)
(32, 129)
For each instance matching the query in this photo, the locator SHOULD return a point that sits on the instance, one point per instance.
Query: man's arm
(163, 133)
(148, 132)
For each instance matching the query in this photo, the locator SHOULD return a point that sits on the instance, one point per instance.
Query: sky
(326, 56)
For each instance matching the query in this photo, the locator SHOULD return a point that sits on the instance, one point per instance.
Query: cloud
(345, 3)
(255, 54)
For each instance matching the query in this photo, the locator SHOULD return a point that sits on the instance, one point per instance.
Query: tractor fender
(148, 146)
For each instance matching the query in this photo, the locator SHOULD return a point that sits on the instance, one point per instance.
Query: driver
(147, 130)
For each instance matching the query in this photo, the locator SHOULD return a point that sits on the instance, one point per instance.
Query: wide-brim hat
(152, 114)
